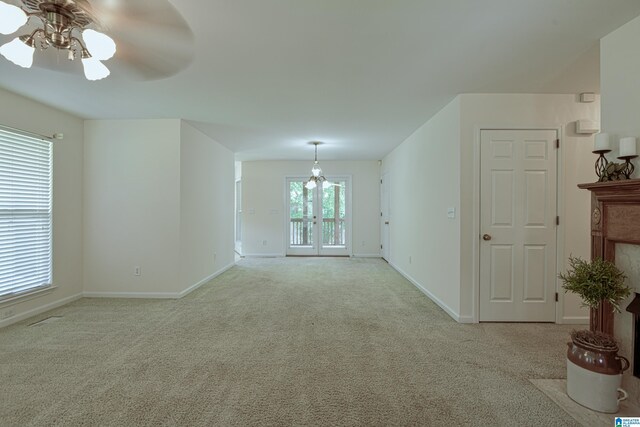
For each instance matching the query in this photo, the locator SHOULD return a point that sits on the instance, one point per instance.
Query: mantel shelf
(627, 190)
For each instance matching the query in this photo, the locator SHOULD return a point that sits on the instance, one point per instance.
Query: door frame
(559, 129)
(384, 228)
(348, 214)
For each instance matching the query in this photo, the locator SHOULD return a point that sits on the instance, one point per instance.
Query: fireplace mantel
(615, 218)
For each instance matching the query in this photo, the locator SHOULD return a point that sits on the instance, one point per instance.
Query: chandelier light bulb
(11, 18)
(94, 69)
(101, 46)
(310, 185)
(18, 52)
(326, 184)
(316, 171)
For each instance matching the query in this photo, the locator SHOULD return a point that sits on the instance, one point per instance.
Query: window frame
(32, 187)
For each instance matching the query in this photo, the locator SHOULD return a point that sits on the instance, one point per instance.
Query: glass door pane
(334, 217)
(302, 219)
(333, 214)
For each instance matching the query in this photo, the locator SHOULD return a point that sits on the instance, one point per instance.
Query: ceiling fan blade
(153, 40)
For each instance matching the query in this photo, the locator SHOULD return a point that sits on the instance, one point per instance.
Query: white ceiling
(360, 75)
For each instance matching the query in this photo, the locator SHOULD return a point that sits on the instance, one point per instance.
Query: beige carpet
(292, 341)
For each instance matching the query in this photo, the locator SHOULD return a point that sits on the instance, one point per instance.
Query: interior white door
(518, 208)
(384, 217)
(319, 221)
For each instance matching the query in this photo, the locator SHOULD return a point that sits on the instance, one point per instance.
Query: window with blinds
(25, 213)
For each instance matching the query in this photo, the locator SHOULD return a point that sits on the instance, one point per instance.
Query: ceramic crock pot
(594, 371)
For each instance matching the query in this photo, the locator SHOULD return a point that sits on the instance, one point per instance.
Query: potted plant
(594, 368)
(600, 284)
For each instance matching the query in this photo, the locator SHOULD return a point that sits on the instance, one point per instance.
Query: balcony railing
(301, 232)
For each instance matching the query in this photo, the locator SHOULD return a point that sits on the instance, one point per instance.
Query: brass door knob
(486, 237)
(386, 223)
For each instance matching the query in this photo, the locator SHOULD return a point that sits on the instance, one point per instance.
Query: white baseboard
(575, 320)
(465, 319)
(157, 295)
(150, 295)
(39, 310)
(280, 255)
(366, 256)
(205, 280)
(432, 297)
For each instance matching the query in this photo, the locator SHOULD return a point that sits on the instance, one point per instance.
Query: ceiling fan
(148, 40)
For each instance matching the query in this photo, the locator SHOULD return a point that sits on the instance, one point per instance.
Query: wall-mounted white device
(587, 97)
(587, 127)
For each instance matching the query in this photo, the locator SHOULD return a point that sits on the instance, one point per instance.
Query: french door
(319, 220)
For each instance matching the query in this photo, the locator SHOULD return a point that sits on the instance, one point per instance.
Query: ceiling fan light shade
(11, 18)
(18, 52)
(94, 69)
(100, 45)
(310, 185)
(316, 171)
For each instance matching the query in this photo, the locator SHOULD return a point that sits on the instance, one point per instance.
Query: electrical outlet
(136, 270)
(363, 243)
(215, 255)
(264, 243)
(409, 259)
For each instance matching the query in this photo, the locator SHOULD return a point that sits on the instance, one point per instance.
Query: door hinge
(380, 213)
(380, 181)
(557, 143)
(380, 246)
(557, 220)
(556, 297)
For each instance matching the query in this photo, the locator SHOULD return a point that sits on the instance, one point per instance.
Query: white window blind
(25, 213)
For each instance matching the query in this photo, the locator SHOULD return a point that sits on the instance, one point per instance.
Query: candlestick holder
(628, 166)
(601, 163)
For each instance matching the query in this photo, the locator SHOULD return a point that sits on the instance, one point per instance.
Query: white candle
(602, 142)
(628, 146)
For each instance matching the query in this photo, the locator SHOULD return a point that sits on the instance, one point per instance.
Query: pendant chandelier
(59, 24)
(316, 172)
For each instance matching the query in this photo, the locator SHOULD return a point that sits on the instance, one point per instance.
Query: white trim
(574, 320)
(38, 310)
(205, 280)
(465, 319)
(366, 256)
(476, 211)
(149, 295)
(266, 255)
(560, 199)
(26, 296)
(431, 296)
(157, 295)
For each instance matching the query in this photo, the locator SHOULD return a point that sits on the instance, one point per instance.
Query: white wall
(263, 203)
(22, 113)
(131, 207)
(532, 111)
(206, 206)
(159, 195)
(440, 159)
(620, 62)
(424, 178)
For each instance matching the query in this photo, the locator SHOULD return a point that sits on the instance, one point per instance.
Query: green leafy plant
(595, 281)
